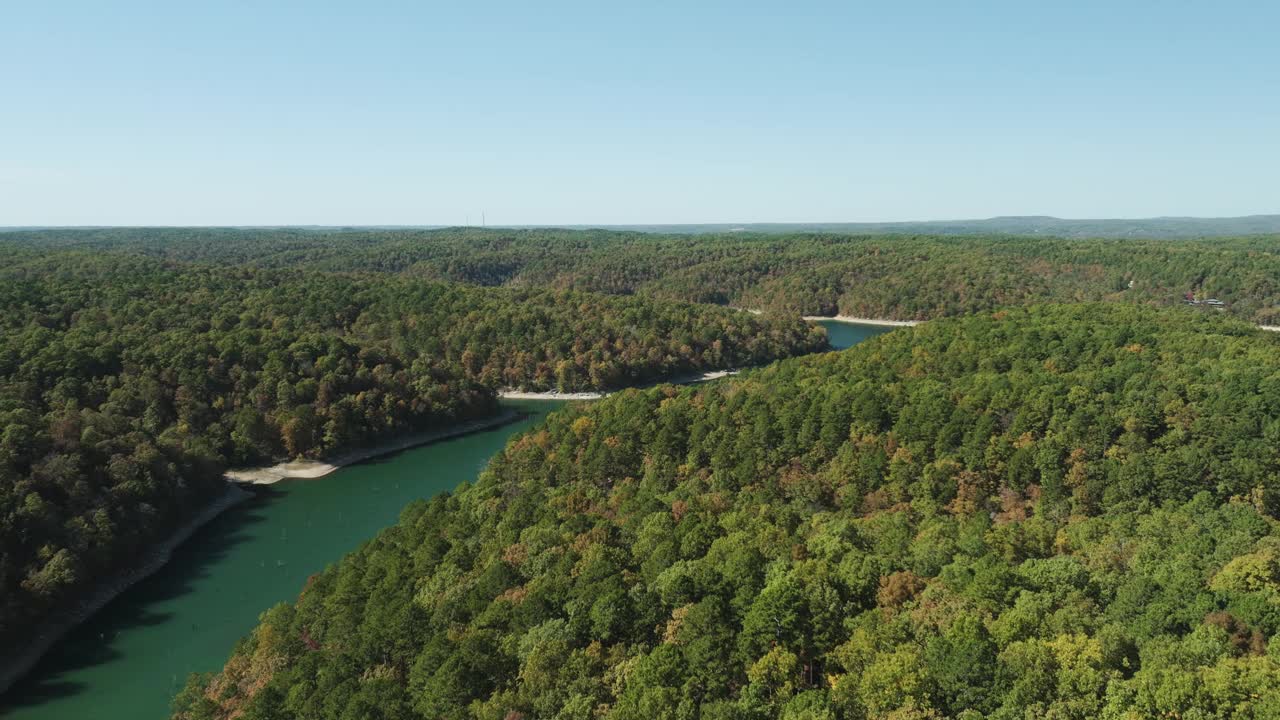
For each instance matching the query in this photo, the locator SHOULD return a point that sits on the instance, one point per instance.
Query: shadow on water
(41, 692)
(394, 456)
(130, 659)
(92, 642)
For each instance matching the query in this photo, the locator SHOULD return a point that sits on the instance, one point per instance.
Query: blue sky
(544, 113)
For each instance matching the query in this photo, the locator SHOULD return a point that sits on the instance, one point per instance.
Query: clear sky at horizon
(161, 113)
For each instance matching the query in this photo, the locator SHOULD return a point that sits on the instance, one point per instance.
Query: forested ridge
(1060, 512)
(1066, 510)
(906, 277)
(129, 383)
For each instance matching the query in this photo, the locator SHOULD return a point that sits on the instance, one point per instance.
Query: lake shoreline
(61, 624)
(912, 323)
(862, 320)
(311, 469)
(57, 628)
(549, 395)
(154, 558)
(237, 491)
(691, 379)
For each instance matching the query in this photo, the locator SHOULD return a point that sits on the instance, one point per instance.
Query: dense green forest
(128, 384)
(887, 276)
(1066, 510)
(1058, 512)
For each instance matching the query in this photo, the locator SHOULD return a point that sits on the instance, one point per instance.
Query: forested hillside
(897, 276)
(1060, 512)
(128, 384)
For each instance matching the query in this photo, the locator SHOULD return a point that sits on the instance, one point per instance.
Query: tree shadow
(21, 697)
(521, 415)
(104, 638)
(94, 641)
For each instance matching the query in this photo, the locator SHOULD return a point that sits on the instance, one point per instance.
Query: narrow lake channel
(129, 660)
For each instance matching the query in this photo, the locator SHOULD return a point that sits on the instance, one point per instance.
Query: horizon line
(579, 225)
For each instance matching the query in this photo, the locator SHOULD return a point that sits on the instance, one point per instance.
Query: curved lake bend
(128, 661)
(846, 334)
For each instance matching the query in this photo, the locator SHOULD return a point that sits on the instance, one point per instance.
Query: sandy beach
(913, 323)
(556, 395)
(845, 319)
(548, 395)
(864, 321)
(308, 469)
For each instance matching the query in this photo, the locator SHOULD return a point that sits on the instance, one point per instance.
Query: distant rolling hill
(1160, 227)
(1024, 225)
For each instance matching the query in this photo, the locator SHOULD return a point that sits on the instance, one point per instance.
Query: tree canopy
(1059, 511)
(906, 277)
(129, 383)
